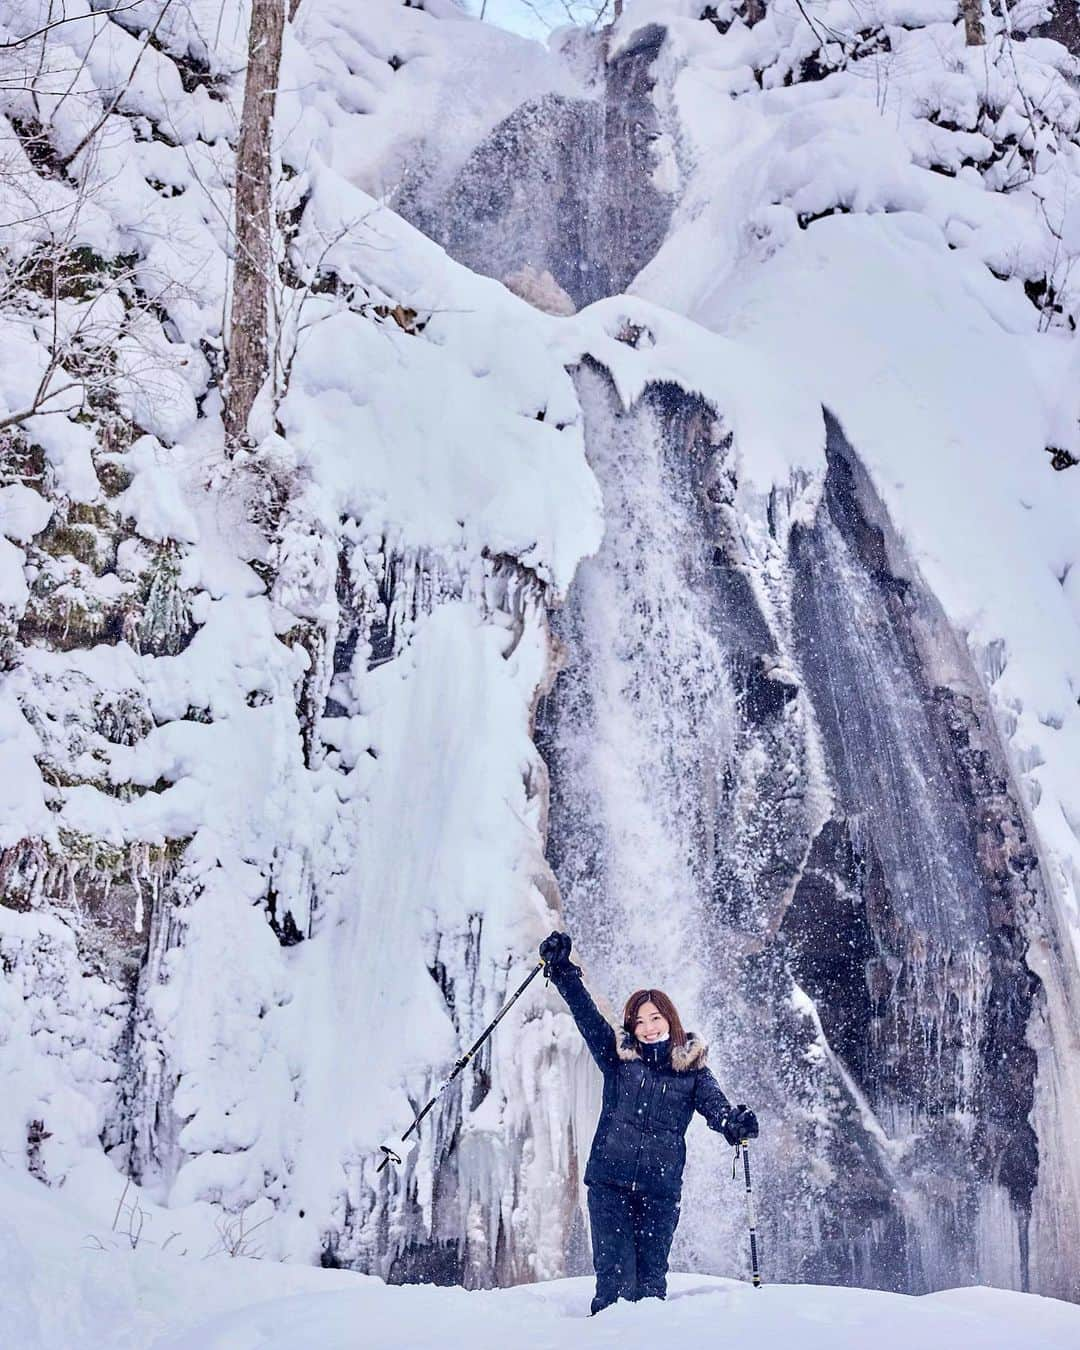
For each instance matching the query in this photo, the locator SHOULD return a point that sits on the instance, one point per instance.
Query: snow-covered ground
(68, 1283)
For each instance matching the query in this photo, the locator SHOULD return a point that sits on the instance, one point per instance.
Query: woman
(654, 1080)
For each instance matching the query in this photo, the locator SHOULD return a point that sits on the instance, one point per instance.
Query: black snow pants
(631, 1238)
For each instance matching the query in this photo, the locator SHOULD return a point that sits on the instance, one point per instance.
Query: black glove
(555, 951)
(739, 1124)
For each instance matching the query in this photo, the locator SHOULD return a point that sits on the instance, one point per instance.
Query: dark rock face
(908, 925)
(563, 185)
(839, 868)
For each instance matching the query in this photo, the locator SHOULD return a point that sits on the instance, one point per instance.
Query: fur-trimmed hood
(691, 1056)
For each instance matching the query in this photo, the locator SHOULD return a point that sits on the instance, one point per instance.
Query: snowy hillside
(660, 520)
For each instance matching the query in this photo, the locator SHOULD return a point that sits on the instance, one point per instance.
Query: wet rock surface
(563, 185)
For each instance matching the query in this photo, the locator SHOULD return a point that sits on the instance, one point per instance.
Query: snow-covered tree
(249, 338)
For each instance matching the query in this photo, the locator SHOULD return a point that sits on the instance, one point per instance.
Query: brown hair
(664, 1006)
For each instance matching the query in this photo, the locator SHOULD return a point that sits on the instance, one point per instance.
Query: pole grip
(389, 1156)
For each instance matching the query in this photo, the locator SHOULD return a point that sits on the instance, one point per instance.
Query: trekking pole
(755, 1273)
(391, 1155)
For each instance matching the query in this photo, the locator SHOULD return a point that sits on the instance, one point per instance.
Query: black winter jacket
(639, 1142)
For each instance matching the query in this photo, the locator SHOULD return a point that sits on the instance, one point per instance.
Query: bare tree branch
(57, 23)
(36, 409)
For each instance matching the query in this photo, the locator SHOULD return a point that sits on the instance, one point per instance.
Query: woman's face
(650, 1024)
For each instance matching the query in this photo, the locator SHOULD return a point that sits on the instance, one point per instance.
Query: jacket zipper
(637, 1160)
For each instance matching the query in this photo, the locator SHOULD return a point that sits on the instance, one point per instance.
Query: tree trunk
(973, 24)
(249, 318)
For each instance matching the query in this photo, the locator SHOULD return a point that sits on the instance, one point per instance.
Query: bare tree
(249, 319)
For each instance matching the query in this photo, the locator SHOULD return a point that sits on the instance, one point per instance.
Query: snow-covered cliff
(295, 783)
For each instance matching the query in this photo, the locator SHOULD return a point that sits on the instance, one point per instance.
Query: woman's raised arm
(566, 977)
